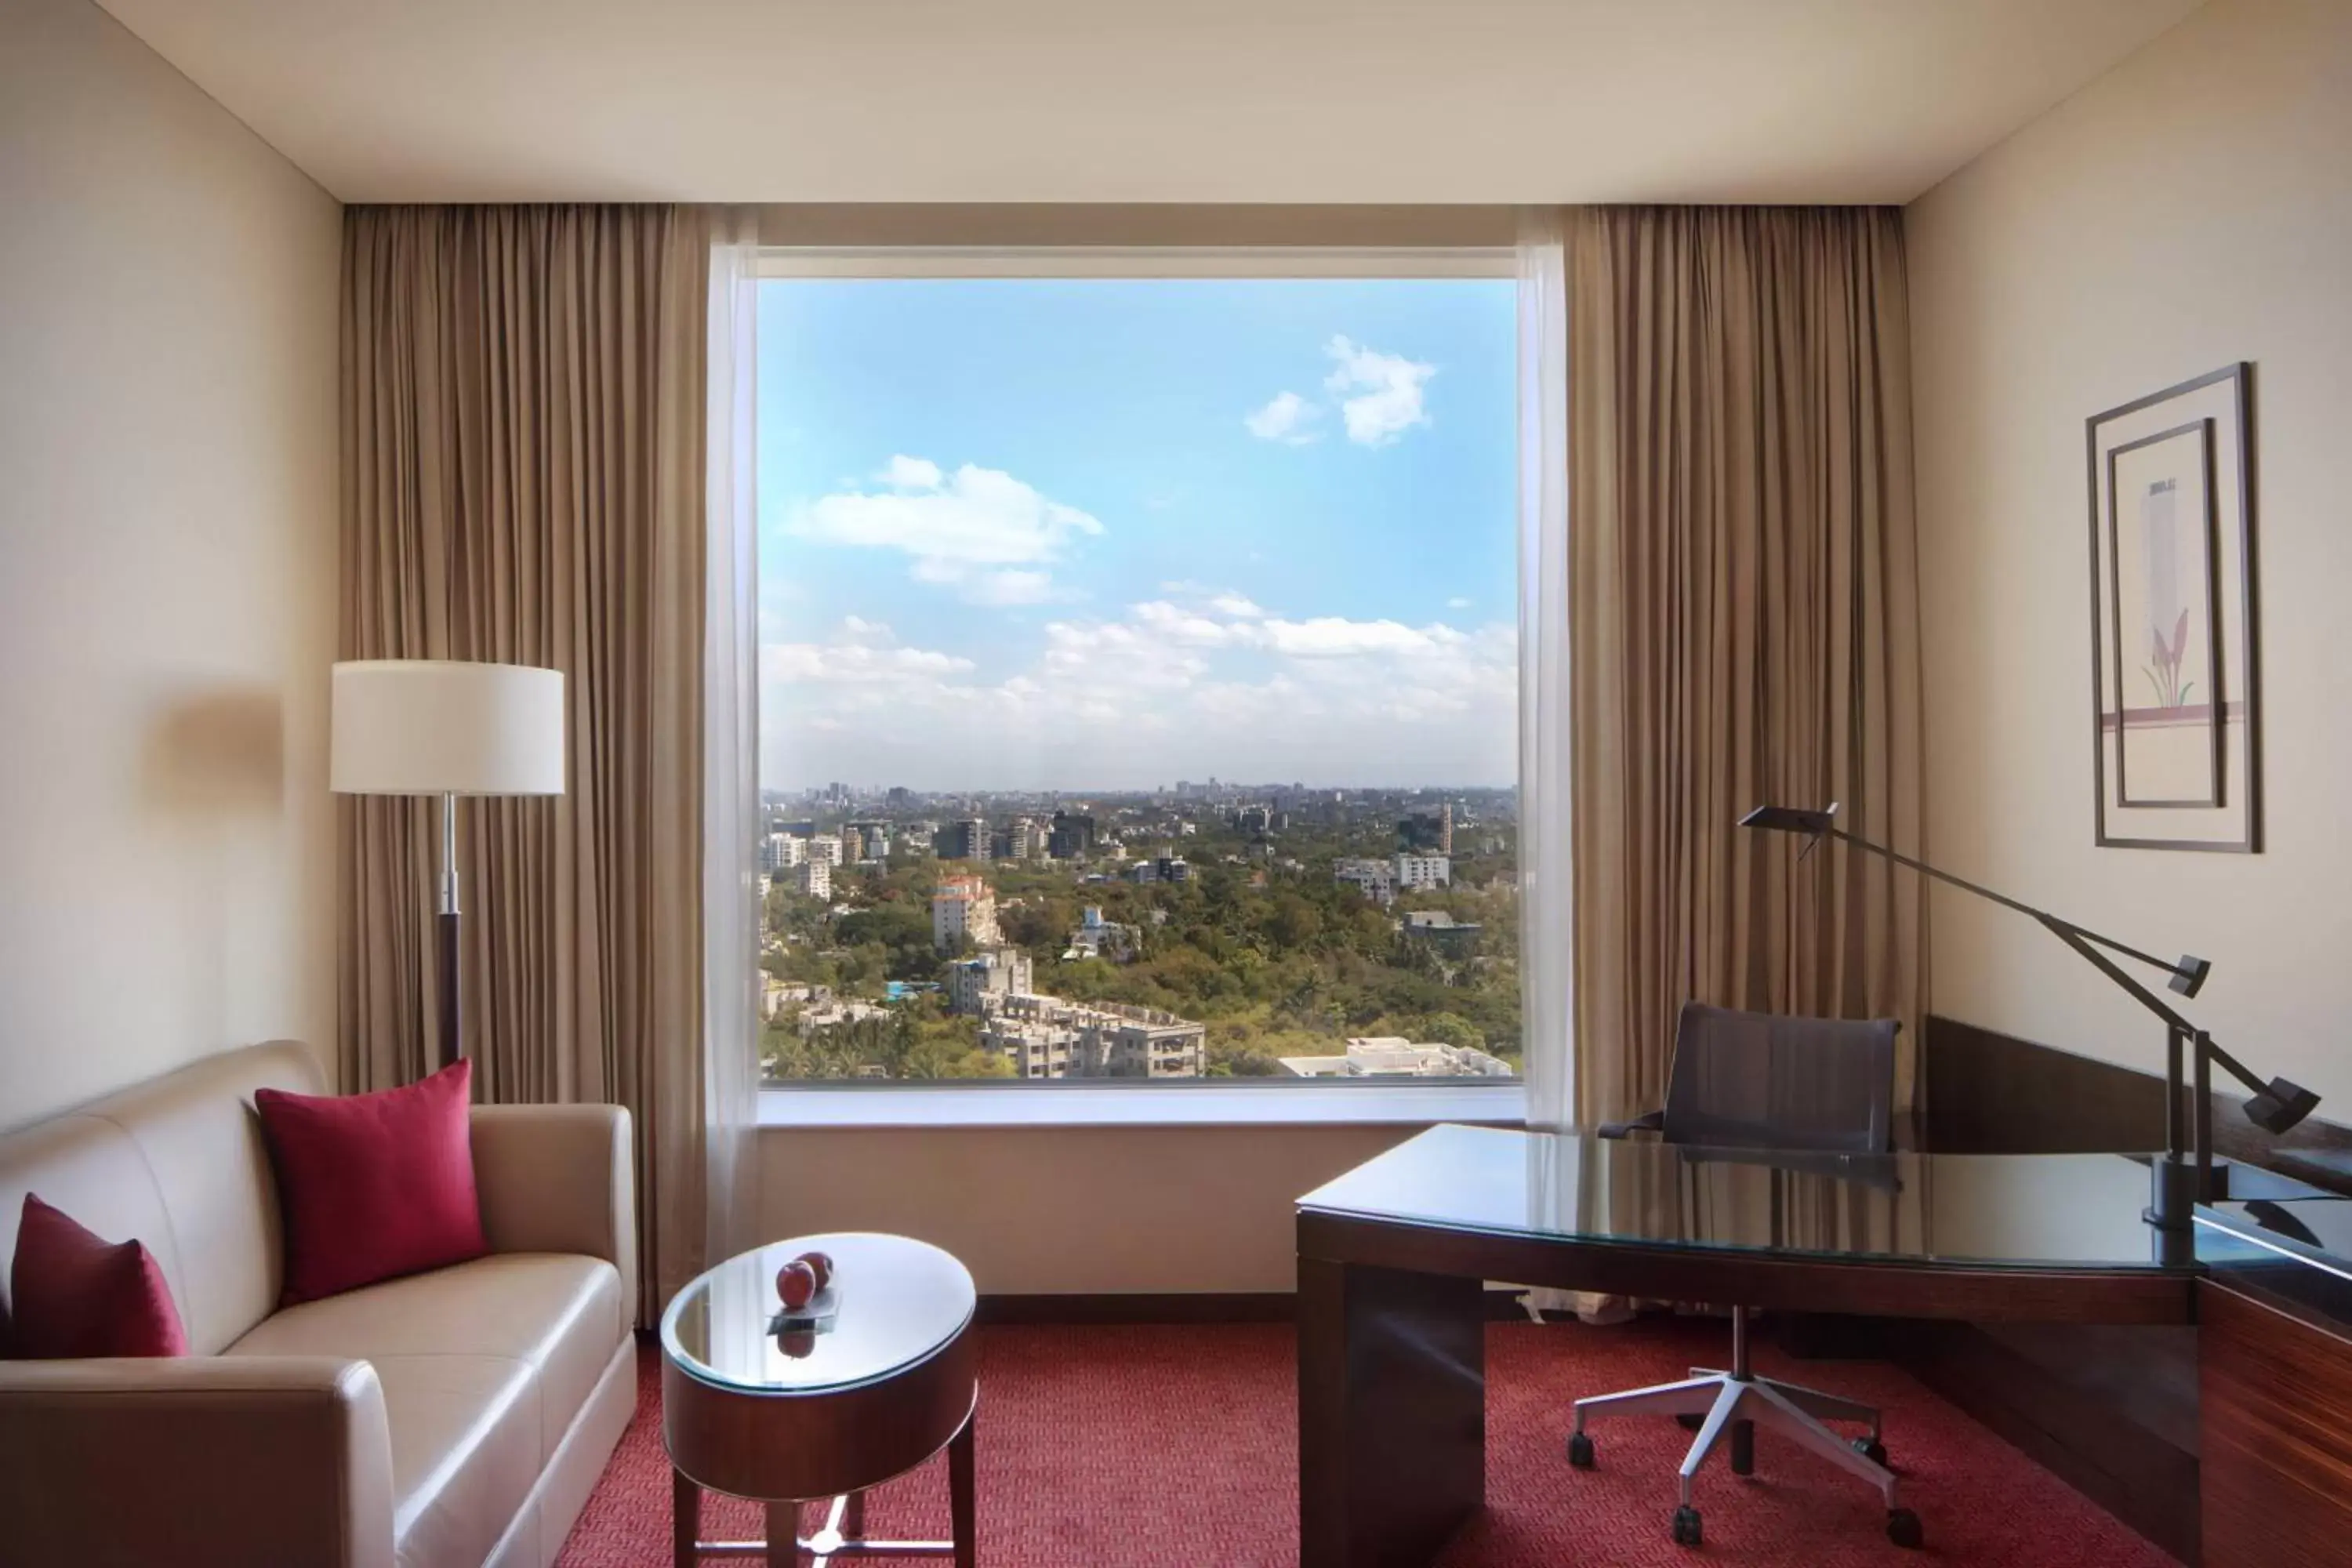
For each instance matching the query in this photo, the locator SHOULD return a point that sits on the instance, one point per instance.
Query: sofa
(445, 1420)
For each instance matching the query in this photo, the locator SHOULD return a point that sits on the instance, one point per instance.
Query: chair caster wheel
(1687, 1527)
(1690, 1423)
(1871, 1448)
(1903, 1528)
(1580, 1450)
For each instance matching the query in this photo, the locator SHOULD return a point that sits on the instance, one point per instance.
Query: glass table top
(2026, 1211)
(894, 1302)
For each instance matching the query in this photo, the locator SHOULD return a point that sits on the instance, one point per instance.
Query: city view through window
(1138, 680)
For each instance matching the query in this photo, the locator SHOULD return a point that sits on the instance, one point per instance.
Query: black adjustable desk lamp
(2185, 1176)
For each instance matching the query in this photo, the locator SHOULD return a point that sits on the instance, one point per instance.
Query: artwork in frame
(2177, 735)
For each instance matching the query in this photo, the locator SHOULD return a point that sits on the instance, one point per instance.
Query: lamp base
(2173, 1192)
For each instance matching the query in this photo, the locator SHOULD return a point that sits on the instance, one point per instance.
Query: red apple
(797, 1344)
(821, 1264)
(796, 1283)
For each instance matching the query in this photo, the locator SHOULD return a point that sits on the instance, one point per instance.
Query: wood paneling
(1989, 1093)
(2276, 1417)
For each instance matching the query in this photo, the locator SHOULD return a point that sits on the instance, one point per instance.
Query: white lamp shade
(442, 727)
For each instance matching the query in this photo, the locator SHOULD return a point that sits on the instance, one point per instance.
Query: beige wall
(167, 594)
(2190, 208)
(1070, 1210)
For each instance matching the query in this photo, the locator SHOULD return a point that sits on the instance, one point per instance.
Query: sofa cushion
(484, 1364)
(74, 1293)
(373, 1185)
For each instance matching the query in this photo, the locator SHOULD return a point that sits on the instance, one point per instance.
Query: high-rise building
(1072, 836)
(781, 851)
(825, 849)
(1429, 828)
(964, 908)
(1026, 839)
(1415, 872)
(999, 972)
(967, 840)
(814, 878)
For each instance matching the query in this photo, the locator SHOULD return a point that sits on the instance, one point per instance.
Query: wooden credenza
(2274, 1417)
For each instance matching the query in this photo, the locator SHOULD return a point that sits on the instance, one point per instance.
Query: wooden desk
(1393, 1258)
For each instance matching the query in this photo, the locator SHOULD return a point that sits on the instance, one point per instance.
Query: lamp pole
(445, 924)
(2185, 1176)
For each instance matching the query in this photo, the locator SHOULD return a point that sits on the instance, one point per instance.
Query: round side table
(803, 1417)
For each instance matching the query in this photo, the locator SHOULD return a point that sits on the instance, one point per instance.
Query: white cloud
(979, 531)
(1380, 394)
(1285, 419)
(1180, 686)
(1457, 603)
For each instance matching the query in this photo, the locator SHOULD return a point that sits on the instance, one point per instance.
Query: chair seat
(484, 1367)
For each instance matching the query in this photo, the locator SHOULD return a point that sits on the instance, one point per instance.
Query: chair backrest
(1757, 1081)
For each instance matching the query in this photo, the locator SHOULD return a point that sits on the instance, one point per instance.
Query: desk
(1392, 1258)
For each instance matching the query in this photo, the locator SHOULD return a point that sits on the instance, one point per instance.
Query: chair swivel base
(1729, 1402)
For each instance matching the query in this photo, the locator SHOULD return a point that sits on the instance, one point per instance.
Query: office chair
(1755, 1081)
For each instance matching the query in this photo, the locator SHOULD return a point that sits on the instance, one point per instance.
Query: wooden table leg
(1391, 1414)
(784, 1535)
(962, 1505)
(685, 1520)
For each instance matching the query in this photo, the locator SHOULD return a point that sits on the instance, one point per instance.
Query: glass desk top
(896, 1302)
(2023, 1211)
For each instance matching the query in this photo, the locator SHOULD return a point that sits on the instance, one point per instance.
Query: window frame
(885, 1103)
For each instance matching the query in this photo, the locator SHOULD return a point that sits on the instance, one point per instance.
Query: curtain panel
(523, 481)
(1744, 625)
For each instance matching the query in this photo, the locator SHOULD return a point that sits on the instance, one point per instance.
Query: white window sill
(1169, 1105)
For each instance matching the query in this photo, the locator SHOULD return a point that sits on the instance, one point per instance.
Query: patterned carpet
(1176, 1447)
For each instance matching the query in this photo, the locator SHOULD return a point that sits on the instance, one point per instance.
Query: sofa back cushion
(177, 1163)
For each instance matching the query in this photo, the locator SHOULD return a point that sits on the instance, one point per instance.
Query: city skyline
(1133, 532)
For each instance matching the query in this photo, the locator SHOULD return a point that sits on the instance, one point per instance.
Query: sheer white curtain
(730, 804)
(1547, 960)
(1547, 951)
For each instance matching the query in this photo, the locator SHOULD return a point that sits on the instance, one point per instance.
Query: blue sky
(1090, 534)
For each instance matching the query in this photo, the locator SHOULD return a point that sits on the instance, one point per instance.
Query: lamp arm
(2056, 923)
(2087, 944)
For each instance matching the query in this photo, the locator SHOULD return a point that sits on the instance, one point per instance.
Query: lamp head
(1792, 819)
(2189, 974)
(2281, 1106)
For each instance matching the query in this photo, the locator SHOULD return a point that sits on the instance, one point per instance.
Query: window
(1138, 673)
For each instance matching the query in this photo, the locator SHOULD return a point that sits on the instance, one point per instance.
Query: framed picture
(2177, 736)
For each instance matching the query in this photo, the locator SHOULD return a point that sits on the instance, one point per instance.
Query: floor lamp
(2186, 1175)
(440, 727)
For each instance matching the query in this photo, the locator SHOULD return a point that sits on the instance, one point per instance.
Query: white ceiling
(1176, 101)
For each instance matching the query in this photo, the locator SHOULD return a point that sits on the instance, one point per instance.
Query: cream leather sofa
(446, 1420)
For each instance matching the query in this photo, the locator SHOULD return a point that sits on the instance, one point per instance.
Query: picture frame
(2175, 654)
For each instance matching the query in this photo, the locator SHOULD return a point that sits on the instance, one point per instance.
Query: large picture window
(1138, 676)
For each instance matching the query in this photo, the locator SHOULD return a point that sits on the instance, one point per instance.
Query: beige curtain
(523, 470)
(1744, 625)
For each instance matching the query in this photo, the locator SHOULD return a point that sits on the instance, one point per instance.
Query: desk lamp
(2185, 1176)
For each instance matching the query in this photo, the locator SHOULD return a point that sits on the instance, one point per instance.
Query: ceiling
(1175, 100)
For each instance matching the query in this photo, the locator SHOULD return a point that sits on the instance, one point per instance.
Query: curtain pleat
(523, 406)
(1744, 625)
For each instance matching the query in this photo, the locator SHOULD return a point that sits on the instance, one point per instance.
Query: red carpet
(1176, 1447)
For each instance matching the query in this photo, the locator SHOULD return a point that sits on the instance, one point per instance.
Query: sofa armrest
(197, 1461)
(560, 1178)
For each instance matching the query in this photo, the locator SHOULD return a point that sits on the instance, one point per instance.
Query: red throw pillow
(372, 1187)
(76, 1294)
